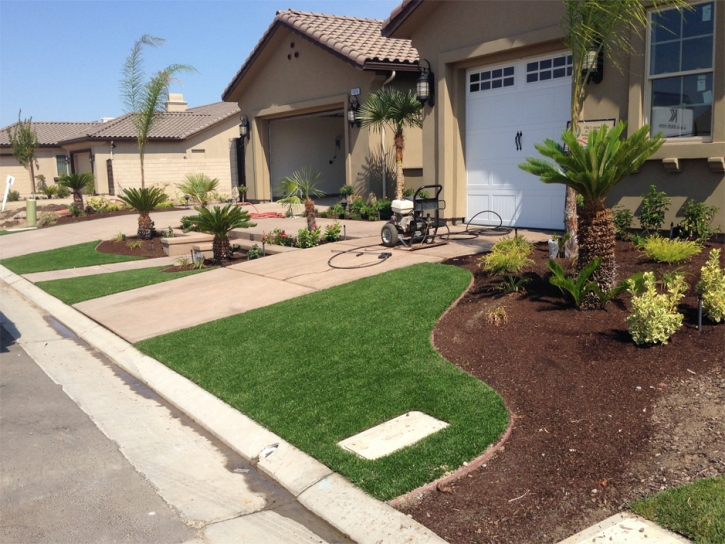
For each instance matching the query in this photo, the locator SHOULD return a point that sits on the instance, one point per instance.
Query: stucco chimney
(176, 102)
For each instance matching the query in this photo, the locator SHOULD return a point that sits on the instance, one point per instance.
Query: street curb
(328, 495)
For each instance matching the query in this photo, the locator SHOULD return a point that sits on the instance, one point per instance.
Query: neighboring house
(51, 159)
(296, 89)
(195, 140)
(501, 70)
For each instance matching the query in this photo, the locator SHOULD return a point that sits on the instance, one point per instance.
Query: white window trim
(648, 79)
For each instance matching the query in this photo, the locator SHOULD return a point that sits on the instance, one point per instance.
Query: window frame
(648, 78)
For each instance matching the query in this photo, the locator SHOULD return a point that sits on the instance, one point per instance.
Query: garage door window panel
(492, 79)
(681, 64)
(548, 69)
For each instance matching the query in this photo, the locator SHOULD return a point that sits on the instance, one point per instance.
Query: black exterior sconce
(594, 63)
(352, 109)
(244, 127)
(425, 86)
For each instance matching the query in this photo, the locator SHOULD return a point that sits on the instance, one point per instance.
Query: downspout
(382, 141)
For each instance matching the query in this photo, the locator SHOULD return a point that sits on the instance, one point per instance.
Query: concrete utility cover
(393, 435)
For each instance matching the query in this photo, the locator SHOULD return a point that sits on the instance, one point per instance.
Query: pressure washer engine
(415, 220)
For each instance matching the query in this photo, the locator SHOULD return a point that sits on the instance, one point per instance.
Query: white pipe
(382, 142)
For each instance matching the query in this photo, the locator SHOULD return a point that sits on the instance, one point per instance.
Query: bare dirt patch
(598, 421)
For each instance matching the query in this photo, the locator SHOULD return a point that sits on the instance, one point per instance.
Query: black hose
(383, 256)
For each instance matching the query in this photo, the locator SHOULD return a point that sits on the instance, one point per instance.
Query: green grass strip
(74, 290)
(65, 257)
(325, 366)
(696, 510)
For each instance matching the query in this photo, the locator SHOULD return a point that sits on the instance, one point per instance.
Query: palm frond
(75, 182)
(300, 186)
(133, 74)
(144, 200)
(392, 107)
(221, 221)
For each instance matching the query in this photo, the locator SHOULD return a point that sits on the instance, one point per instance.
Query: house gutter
(382, 141)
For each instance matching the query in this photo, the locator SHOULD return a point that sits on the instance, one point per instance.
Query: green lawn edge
(75, 256)
(75, 290)
(695, 510)
(325, 366)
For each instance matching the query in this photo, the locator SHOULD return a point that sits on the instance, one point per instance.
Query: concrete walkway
(99, 269)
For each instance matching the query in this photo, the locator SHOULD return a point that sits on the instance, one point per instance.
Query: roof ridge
(329, 15)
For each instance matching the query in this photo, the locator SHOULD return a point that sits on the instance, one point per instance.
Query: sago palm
(76, 183)
(220, 222)
(199, 186)
(299, 188)
(593, 171)
(390, 107)
(144, 201)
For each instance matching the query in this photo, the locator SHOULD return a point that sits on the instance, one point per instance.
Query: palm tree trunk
(221, 249)
(143, 178)
(310, 213)
(596, 239)
(399, 180)
(145, 226)
(78, 200)
(570, 223)
(32, 177)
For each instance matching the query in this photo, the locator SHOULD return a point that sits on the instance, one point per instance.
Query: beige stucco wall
(489, 32)
(45, 165)
(314, 81)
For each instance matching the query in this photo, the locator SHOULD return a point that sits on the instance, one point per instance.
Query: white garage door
(509, 108)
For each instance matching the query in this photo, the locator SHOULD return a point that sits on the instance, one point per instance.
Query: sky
(62, 60)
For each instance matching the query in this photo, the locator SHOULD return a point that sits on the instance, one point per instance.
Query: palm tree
(144, 101)
(299, 188)
(76, 183)
(144, 201)
(593, 171)
(390, 107)
(198, 186)
(220, 222)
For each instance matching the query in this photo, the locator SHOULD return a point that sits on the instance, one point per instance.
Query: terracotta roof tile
(50, 133)
(356, 39)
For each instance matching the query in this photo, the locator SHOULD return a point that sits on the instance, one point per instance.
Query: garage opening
(316, 141)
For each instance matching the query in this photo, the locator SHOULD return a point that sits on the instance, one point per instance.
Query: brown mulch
(66, 219)
(149, 248)
(598, 421)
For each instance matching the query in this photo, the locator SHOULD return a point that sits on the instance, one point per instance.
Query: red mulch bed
(598, 421)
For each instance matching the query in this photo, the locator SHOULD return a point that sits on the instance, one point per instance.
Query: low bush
(134, 244)
(188, 224)
(654, 206)
(63, 191)
(46, 219)
(254, 253)
(49, 190)
(278, 237)
(165, 205)
(13, 196)
(308, 238)
(697, 223)
(335, 212)
(103, 204)
(622, 222)
(664, 250)
(75, 211)
(513, 284)
(654, 315)
(332, 232)
(711, 288)
(508, 256)
(578, 287)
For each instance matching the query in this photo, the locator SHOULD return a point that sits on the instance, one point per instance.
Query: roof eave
(398, 16)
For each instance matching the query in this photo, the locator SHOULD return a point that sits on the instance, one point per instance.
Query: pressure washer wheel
(389, 235)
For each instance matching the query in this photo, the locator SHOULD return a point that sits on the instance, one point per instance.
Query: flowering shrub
(332, 232)
(711, 288)
(307, 238)
(278, 237)
(103, 204)
(654, 315)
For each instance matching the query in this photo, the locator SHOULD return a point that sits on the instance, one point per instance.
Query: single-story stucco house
(203, 139)
(502, 77)
(296, 89)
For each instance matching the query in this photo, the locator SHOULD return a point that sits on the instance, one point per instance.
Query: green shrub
(654, 315)
(383, 207)
(134, 244)
(336, 212)
(46, 219)
(278, 237)
(654, 206)
(508, 256)
(198, 187)
(90, 187)
(622, 222)
(254, 253)
(513, 284)
(188, 224)
(576, 287)
(347, 190)
(698, 219)
(664, 250)
(75, 211)
(40, 182)
(332, 232)
(711, 288)
(49, 190)
(307, 238)
(408, 191)
(13, 196)
(165, 205)
(63, 191)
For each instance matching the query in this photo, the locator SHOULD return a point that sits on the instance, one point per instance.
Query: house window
(61, 163)
(680, 71)
(553, 68)
(491, 79)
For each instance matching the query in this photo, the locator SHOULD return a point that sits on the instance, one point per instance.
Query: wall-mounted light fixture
(594, 63)
(244, 127)
(425, 85)
(91, 156)
(352, 109)
(113, 146)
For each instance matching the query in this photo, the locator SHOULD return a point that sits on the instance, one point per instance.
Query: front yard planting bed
(65, 257)
(599, 422)
(322, 367)
(75, 290)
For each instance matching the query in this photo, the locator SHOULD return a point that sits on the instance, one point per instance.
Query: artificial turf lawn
(696, 510)
(74, 290)
(65, 257)
(325, 366)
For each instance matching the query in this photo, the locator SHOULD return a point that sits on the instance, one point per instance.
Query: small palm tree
(299, 188)
(397, 110)
(144, 201)
(220, 222)
(76, 183)
(198, 186)
(593, 171)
